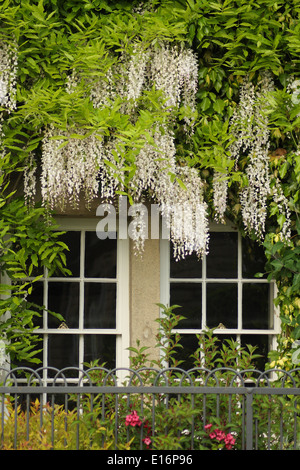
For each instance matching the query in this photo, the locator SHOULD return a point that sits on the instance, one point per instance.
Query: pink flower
(147, 441)
(229, 441)
(220, 435)
(133, 419)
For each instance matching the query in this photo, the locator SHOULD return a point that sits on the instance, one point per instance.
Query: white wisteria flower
(249, 126)
(220, 190)
(8, 75)
(74, 162)
(30, 180)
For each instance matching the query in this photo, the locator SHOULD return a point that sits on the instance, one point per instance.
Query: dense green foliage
(28, 244)
(233, 39)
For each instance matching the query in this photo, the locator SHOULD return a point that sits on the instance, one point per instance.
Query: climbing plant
(187, 103)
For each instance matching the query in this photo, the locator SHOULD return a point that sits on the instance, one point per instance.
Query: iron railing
(148, 408)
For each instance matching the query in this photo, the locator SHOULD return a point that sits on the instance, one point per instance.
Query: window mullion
(240, 284)
(81, 298)
(204, 292)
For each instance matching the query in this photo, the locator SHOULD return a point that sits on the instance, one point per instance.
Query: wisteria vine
(74, 161)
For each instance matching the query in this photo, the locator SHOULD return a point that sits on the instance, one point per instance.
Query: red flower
(133, 419)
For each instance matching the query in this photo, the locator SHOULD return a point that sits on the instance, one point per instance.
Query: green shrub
(177, 421)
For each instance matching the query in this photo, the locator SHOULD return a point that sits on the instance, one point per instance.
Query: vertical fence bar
(2, 400)
(249, 419)
(16, 421)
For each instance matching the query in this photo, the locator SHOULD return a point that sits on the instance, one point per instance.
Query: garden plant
(186, 102)
(180, 421)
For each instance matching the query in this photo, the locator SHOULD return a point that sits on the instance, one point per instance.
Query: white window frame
(122, 329)
(166, 280)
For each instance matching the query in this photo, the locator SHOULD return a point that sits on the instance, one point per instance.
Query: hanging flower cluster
(171, 69)
(8, 75)
(220, 196)
(74, 162)
(294, 89)
(187, 212)
(8, 79)
(254, 196)
(249, 127)
(30, 180)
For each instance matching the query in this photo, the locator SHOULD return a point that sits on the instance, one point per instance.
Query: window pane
(262, 343)
(99, 305)
(222, 256)
(189, 297)
(32, 365)
(100, 256)
(102, 348)
(63, 351)
(63, 298)
(221, 305)
(72, 240)
(37, 298)
(189, 346)
(190, 267)
(256, 306)
(253, 258)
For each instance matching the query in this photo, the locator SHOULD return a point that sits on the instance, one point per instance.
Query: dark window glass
(221, 260)
(221, 305)
(189, 345)
(31, 365)
(99, 305)
(190, 267)
(189, 298)
(100, 256)
(256, 306)
(72, 240)
(261, 342)
(253, 258)
(63, 298)
(36, 297)
(102, 348)
(63, 351)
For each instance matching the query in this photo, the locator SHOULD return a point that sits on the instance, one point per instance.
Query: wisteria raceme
(187, 213)
(241, 128)
(254, 196)
(30, 180)
(283, 206)
(137, 73)
(175, 72)
(249, 126)
(110, 170)
(153, 164)
(53, 171)
(8, 75)
(242, 120)
(220, 190)
(70, 164)
(293, 88)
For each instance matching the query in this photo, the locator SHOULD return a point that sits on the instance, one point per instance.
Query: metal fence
(149, 409)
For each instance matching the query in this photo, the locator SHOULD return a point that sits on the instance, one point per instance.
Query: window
(222, 292)
(93, 301)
